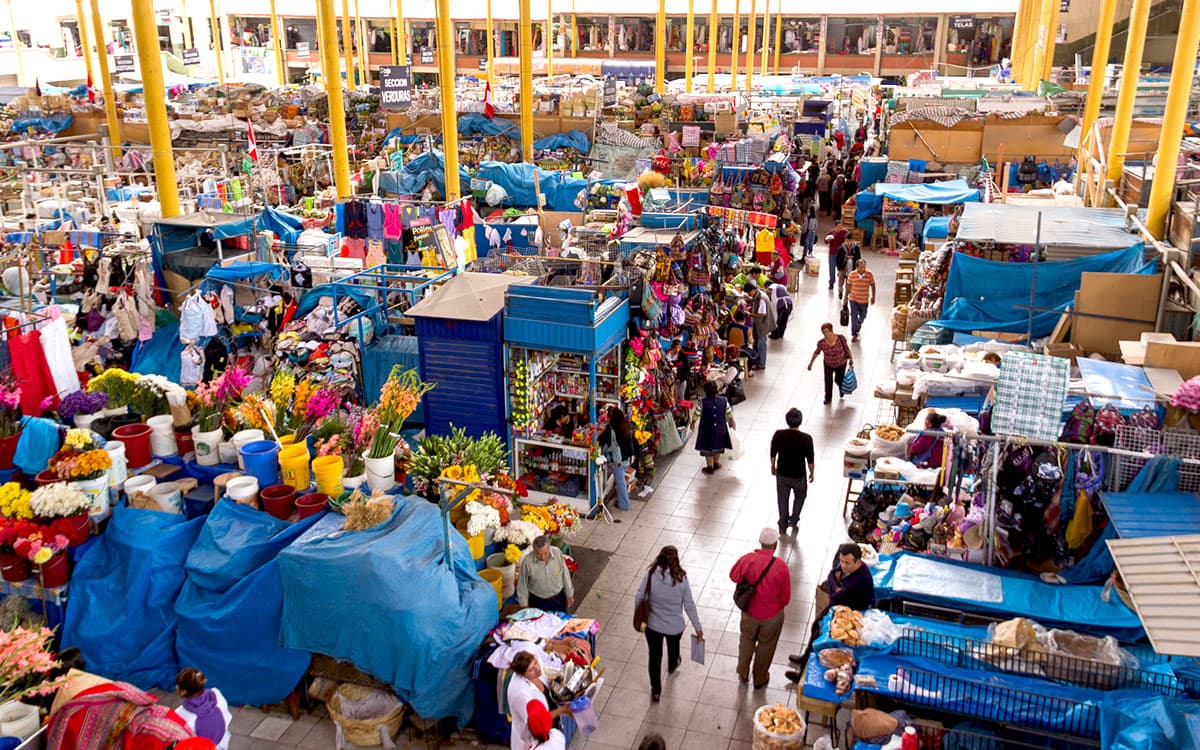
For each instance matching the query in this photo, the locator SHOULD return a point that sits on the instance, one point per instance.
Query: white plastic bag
(495, 195)
(878, 629)
(739, 448)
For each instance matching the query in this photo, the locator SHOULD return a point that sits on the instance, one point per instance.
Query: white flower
(58, 500)
(482, 517)
(520, 533)
(160, 384)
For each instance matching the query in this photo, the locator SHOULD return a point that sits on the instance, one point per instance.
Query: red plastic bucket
(47, 477)
(279, 500)
(13, 567)
(55, 572)
(8, 448)
(311, 504)
(184, 442)
(81, 528)
(136, 438)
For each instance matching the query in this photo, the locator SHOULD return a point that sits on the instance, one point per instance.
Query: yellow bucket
(474, 543)
(293, 464)
(286, 440)
(493, 577)
(328, 470)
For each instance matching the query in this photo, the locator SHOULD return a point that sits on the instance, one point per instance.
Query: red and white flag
(488, 109)
(252, 151)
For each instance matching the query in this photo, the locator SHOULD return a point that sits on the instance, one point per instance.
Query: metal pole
(188, 41)
(751, 21)
(347, 49)
(446, 64)
(689, 47)
(364, 62)
(1118, 140)
(525, 50)
(548, 34)
(778, 34)
(737, 44)
(574, 37)
(277, 47)
(660, 48)
(1037, 251)
(145, 33)
(1174, 118)
(713, 22)
(491, 48)
(215, 25)
(766, 37)
(110, 102)
(84, 41)
(337, 107)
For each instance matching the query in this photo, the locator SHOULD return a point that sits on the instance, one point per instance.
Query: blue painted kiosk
(564, 365)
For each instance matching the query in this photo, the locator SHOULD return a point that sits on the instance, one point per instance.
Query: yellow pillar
(1020, 28)
(737, 44)
(574, 37)
(491, 48)
(778, 34)
(215, 25)
(1031, 40)
(1095, 93)
(1118, 142)
(84, 41)
(145, 35)
(660, 48)
(1040, 32)
(525, 50)
(360, 32)
(188, 41)
(1174, 118)
(446, 63)
(110, 102)
(347, 45)
(750, 47)
(327, 41)
(392, 28)
(766, 38)
(548, 34)
(401, 36)
(713, 22)
(821, 49)
(277, 47)
(689, 46)
(1051, 40)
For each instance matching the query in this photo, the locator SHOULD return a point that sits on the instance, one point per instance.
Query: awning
(1138, 515)
(468, 296)
(1162, 575)
(951, 191)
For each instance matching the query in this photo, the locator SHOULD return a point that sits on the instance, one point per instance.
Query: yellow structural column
(347, 45)
(360, 34)
(1031, 41)
(84, 41)
(277, 47)
(660, 48)
(1118, 141)
(401, 36)
(110, 102)
(491, 48)
(1174, 119)
(751, 21)
(525, 50)
(1051, 40)
(766, 37)
(778, 33)
(1041, 31)
(549, 37)
(1019, 26)
(187, 27)
(327, 41)
(446, 65)
(689, 46)
(392, 28)
(574, 37)
(1095, 92)
(736, 46)
(713, 22)
(145, 35)
(215, 26)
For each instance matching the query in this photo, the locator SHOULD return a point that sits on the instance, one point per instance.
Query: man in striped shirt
(861, 293)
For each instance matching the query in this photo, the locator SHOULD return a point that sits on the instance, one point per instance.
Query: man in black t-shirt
(791, 449)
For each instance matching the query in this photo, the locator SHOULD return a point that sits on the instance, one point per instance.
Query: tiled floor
(712, 520)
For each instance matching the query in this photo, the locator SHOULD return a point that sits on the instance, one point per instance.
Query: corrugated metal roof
(1066, 232)
(1162, 575)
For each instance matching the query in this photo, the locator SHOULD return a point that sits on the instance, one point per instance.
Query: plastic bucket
(136, 438)
(311, 504)
(498, 562)
(381, 473)
(169, 497)
(279, 500)
(47, 477)
(183, 441)
(293, 463)
(328, 471)
(227, 453)
(245, 437)
(141, 483)
(585, 715)
(260, 460)
(19, 720)
(13, 567)
(207, 445)
(54, 572)
(119, 471)
(8, 449)
(162, 435)
(493, 577)
(286, 440)
(243, 490)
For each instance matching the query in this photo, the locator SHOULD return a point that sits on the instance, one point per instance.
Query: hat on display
(973, 536)
(929, 522)
(888, 515)
(539, 720)
(768, 536)
(902, 510)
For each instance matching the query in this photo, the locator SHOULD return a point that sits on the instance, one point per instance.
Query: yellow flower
(470, 473)
(453, 472)
(42, 556)
(512, 553)
(79, 439)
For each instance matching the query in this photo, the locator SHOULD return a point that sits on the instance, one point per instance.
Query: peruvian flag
(91, 91)
(252, 151)
(488, 109)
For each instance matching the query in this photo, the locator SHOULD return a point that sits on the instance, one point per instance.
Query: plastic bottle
(910, 741)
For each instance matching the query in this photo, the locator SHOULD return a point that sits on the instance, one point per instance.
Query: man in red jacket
(762, 621)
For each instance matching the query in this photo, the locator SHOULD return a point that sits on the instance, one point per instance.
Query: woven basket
(362, 732)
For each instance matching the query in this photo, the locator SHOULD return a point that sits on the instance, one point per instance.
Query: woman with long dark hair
(619, 450)
(666, 584)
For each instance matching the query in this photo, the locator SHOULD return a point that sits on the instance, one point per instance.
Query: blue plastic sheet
(414, 175)
(576, 139)
(936, 228)
(476, 124)
(230, 606)
(378, 359)
(46, 123)
(243, 271)
(517, 179)
(866, 205)
(122, 608)
(386, 600)
(994, 295)
(285, 225)
(951, 191)
(161, 355)
(1133, 721)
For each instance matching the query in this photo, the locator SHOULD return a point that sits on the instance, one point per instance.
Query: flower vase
(207, 446)
(498, 562)
(8, 448)
(381, 473)
(96, 491)
(13, 567)
(84, 421)
(54, 572)
(350, 484)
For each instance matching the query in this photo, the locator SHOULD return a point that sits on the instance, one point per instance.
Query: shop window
(852, 36)
(799, 35)
(591, 34)
(635, 35)
(909, 36)
(984, 41)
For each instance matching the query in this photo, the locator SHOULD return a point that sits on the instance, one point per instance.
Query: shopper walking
(810, 231)
(712, 434)
(543, 580)
(762, 312)
(527, 686)
(835, 240)
(204, 709)
(762, 620)
(861, 294)
(666, 586)
(848, 256)
(778, 293)
(836, 355)
(792, 464)
(824, 184)
(619, 450)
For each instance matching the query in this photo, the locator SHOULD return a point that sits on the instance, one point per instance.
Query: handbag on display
(743, 593)
(641, 613)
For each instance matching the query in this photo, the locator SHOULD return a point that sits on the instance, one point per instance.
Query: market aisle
(712, 520)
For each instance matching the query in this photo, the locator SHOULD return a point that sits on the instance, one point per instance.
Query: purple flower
(81, 402)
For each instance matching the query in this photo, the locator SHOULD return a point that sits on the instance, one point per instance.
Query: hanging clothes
(56, 346)
(374, 220)
(392, 224)
(30, 370)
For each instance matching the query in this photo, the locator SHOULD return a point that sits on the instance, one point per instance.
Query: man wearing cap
(543, 580)
(762, 621)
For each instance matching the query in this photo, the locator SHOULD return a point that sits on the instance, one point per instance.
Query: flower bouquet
(79, 408)
(436, 453)
(14, 501)
(520, 533)
(481, 517)
(216, 395)
(26, 664)
(57, 501)
(81, 466)
(322, 402)
(119, 385)
(13, 567)
(152, 393)
(10, 423)
(45, 551)
(398, 399)
(283, 387)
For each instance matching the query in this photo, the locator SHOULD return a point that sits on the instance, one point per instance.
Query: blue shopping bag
(849, 382)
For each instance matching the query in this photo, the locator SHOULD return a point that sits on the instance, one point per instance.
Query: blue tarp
(866, 205)
(936, 228)
(517, 179)
(994, 295)
(230, 606)
(285, 225)
(48, 123)
(384, 599)
(1005, 592)
(951, 191)
(244, 271)
(414, 175)
(476, 124)
(161, 355)
(1133, 721)
(576, 139)
(123, 591)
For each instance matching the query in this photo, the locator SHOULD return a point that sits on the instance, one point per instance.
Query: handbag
(844, 317)
(849, 382)
(641, 613)
(744, 592)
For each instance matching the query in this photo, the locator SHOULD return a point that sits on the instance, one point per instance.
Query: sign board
(123, 64)
(395, 88)
(427, 57)
(302, 49)
(610, 92)
(191, 57)
(962, 22)
(164, 16)
(483, 64)
(445, 246)
(1064, 6)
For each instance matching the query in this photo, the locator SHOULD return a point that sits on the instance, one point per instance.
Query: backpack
(1080, 423)
(1104, 430)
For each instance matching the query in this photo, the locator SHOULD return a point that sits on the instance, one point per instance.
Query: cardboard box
(1066, 351)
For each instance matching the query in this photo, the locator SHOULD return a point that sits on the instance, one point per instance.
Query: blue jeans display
(858, 313)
